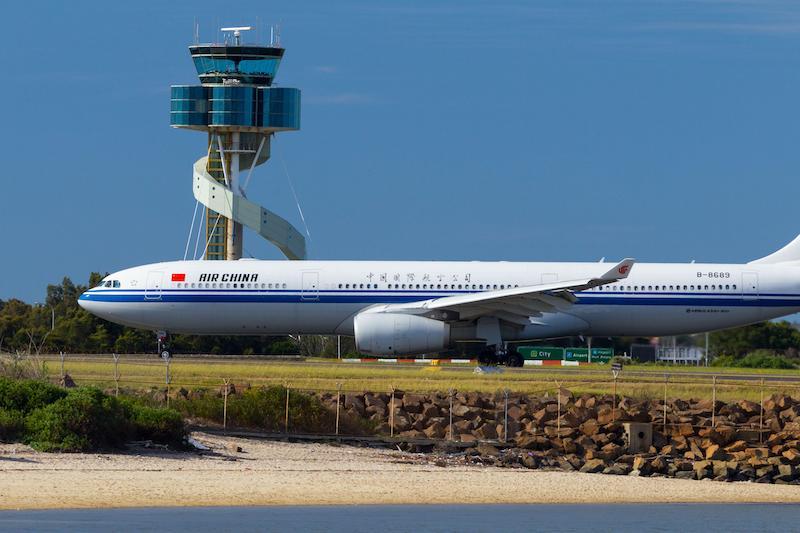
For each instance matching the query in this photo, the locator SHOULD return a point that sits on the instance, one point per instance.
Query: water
(418, 518)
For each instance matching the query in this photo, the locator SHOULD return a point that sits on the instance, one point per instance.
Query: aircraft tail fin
(789, 253)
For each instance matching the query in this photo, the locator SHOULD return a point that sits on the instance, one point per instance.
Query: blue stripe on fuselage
(344, 296)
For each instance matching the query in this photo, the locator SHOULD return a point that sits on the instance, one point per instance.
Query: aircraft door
(549, 278)
(749, 285)
(309, 287)
(152, 290)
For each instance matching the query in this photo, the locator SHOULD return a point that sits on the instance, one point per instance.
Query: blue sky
(665, 131)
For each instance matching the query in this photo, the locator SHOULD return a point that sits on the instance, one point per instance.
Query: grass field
(142, 372)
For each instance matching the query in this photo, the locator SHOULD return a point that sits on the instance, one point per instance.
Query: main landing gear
(164, 350)
(500, 355)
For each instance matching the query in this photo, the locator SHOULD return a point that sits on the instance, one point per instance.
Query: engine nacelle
(399, 334)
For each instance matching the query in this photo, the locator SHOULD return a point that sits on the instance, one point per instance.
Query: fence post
(226, 390)
(505, 416)
(116, 374)
(286, 418)
(61, 356)
(338, 401)
(614, 408)
(450, 427)
(761, 415)
(666, 379)
(391, 414)
(167, 377)
(713, 401)
(558, 399)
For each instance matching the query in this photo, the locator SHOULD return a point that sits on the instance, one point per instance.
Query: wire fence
(530, 403)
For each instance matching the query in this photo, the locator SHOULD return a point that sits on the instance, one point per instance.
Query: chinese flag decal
(179, 277)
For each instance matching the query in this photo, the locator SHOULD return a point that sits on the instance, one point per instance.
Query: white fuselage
(251, 297)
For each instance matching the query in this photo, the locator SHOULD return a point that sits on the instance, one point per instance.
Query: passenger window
(706, 287)
(734, 287)
(284, 285)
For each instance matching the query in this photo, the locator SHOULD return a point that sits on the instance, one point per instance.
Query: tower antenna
(237, 33)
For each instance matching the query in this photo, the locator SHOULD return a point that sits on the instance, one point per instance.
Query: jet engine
(399, 334)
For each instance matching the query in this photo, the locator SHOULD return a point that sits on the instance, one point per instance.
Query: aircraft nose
(85, 301)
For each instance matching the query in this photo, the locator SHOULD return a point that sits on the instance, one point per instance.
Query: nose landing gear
(164, 349)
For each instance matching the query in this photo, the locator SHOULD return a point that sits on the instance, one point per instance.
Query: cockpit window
(109, 283)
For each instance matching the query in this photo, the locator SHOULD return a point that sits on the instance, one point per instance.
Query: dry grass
(140, 372)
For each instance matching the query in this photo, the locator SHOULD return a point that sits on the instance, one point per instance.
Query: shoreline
(269, 473)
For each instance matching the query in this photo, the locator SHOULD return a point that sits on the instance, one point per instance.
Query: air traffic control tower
(239, 109)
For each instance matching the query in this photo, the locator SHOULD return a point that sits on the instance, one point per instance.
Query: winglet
(620, 270)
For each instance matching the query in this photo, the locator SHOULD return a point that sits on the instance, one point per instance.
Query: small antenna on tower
(196, 31)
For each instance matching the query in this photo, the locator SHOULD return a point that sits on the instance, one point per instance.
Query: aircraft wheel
(514, 360)
(487, 358)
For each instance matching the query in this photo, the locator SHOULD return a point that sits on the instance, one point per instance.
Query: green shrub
(85, 419)
(756, 359)
(759, 359)
(158, 424)
(261, 408)
(28, 395)
(12, 424)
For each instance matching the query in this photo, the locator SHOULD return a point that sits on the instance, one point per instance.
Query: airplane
(409, 308)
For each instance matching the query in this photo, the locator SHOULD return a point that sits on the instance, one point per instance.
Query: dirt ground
(279, 473)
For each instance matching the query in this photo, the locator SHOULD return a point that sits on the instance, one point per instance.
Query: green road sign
(599, 355)
(542, 353)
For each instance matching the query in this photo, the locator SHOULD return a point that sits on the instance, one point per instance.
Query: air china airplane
(406, 308)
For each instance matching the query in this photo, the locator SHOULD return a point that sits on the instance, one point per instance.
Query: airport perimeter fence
(340, 409)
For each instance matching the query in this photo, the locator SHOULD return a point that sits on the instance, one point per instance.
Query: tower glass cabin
(239, 109)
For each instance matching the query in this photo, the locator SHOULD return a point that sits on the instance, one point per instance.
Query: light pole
(52, 314)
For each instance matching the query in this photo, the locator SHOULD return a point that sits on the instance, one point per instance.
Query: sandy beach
(274, 473)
